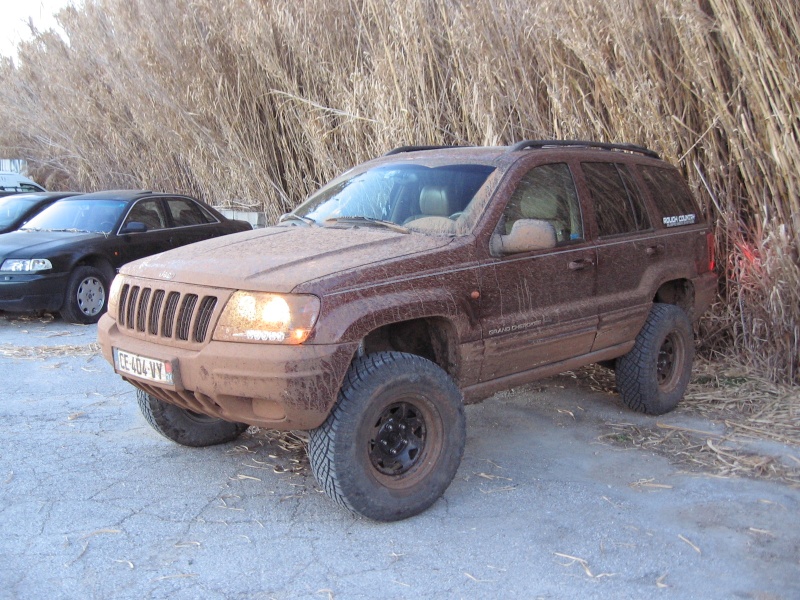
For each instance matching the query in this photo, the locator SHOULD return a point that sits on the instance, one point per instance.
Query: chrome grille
(166, 314)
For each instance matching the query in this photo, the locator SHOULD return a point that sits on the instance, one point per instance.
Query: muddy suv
(411, 285)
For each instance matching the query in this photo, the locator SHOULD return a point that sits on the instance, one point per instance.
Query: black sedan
(65, 257)
(17, 209)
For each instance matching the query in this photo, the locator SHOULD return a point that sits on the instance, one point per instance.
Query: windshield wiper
(293, 217)
(71, 230)
(369, 221)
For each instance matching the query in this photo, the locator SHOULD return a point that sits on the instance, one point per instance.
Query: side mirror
(134, 227)
(526, 235)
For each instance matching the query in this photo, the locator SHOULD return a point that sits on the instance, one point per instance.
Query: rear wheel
(394, 441)
(86, 296)
(653, 376)
(185, 426)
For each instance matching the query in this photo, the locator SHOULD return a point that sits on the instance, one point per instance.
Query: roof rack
(584, 144)
(402, 149)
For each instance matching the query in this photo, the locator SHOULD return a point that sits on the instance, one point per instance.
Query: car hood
(41, 244)
(278, 259)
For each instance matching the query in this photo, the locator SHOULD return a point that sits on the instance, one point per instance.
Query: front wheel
(653, 376)
(184, 426)
(86, 296)
(393, 442)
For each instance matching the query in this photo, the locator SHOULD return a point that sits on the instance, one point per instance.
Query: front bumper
(267, 385)
(20, 292)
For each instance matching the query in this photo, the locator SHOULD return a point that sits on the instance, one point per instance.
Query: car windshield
(13, 207)
(414, 196)
(98, 216)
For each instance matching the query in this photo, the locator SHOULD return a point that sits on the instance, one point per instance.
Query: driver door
(538, 306)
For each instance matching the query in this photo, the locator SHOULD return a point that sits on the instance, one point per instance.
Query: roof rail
(584, 144)
(402, 149)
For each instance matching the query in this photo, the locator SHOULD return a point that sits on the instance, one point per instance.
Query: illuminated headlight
(26, 265)
(113, 295)
(267, 318)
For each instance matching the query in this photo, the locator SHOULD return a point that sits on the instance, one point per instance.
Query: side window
(547, 193)
(617, 201)
(148, 212)
(672, 197)
(185, 212)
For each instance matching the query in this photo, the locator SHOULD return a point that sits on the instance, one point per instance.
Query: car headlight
(26, 265)
(267, 318)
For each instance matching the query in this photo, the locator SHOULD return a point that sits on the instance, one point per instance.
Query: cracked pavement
(95, 504)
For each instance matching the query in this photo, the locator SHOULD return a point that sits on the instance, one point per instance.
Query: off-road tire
(86, 297)
(390, 401)
(184, 426)
(653, 376)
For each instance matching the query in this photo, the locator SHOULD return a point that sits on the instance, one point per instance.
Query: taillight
(712, 251)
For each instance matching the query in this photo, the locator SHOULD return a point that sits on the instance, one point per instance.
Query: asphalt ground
(95, 504)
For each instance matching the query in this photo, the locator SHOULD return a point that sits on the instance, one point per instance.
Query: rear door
(191, 223)
(538, 307)
(627, 247)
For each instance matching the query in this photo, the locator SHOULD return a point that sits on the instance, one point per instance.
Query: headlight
(26, 265)
(271, 318)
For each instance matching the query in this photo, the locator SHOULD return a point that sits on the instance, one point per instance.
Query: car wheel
(653, 376)
(86, 296)
(185, 426)
(393, 442)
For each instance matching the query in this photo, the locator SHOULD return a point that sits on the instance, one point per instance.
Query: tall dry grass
(258, 102)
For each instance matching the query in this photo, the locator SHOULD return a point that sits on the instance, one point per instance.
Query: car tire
(86, 298)
(652, 377)
(394, 440)
(186, 427)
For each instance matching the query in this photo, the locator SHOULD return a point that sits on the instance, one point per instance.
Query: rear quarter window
(672, 198)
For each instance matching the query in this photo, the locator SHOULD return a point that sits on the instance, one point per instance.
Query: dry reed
(256, 103)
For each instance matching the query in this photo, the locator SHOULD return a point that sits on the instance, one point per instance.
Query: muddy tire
(653, 376)
(184, 426)
(86, 297)
(393, 442)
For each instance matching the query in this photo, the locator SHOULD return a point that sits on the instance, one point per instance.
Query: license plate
(143, 367)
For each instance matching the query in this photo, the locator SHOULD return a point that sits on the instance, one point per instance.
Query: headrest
(433, 201)
(539, 204)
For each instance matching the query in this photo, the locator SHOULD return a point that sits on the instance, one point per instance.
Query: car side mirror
(134, 227)
(526, 235)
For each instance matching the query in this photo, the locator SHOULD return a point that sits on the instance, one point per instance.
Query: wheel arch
(433, 338)
(679, 292)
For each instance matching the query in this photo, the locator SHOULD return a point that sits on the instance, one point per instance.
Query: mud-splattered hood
(278, 259)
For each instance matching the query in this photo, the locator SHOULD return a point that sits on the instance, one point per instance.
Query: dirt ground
(562, 493)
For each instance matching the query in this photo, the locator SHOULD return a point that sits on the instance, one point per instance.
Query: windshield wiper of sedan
(367, 221)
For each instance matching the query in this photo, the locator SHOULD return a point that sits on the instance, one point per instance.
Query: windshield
(98, 216)
(419, 197)
(13, 207)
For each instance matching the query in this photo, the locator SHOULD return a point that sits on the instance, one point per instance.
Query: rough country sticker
(679, 220)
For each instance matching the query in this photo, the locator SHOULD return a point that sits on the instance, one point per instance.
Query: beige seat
(545, 205)
(436, 206)
(434, 201)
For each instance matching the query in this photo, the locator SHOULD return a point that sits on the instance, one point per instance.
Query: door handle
(653, 250)
(580, 264)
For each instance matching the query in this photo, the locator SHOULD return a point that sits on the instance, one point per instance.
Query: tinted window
(618, 204)
(547, 193)
(672, 197)
(148, 212)
(185, 212)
